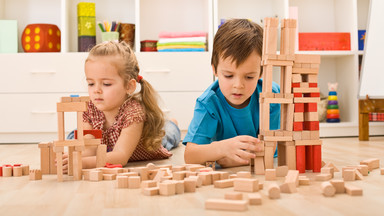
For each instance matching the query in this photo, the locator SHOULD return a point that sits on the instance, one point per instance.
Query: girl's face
(105, 87)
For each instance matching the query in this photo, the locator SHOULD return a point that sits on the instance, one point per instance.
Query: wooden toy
(339, 186)
(291, 182)
(86, 21)
(41, 37)
(270, 174)
(7, 170)
(323, 177)
(109, 176)
(353, 190)
(372, 163)
(233, 196)
(328, 189)
(35, 174)
(133, 182)
(349, 175)
(122, 181)
(229, 205)
(167, 188)
(273, 191)
(254, 199)
(17, 171)
(148, 184)
(243, 174)
(303, 180)
(246, 185)
(333, 106)
(190, 185)
(225, 183)
(152, 191)
(96, 175)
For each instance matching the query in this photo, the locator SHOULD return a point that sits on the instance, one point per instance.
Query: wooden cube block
(349, 175)
(109, 176)
(206, 178)
(151, 191)
(254, 199)
(233, 196)
(122, 181)
(270, 174)
(199, 180)
(96, 175)
(339, 186)
(190, 184)
(229, 205)
(303, 180)
(167, 188)
(180, 188)
(133, 182)
(25, 169)
(148, 184)
(246, 185)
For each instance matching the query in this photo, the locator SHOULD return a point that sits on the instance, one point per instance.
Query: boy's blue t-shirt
(214, 119)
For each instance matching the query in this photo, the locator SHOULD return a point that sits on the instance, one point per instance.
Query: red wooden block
(1, 170)
(310, 107)
(41, 38)
(316, 158)
(108, 165)
(311, 125)
(300, 158)
(295, 85)
(297, 95)
(299, 107)
(309, 157)
(297, 126)
(333, 116)
(313, 85)
(98, 134)
(324, 41)
(312, 94)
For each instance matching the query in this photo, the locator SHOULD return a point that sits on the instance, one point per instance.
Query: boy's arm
(231, 152)
(125, 146)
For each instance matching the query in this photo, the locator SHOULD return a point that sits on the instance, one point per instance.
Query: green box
(110, 36)
(86, 26)
(8, 36)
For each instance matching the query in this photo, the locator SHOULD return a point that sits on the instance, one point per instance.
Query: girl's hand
(237, 150)
(65, 163)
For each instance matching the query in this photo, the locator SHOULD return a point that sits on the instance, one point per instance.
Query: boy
(226, 117)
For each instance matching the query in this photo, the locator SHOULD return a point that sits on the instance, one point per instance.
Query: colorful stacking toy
(333, 114)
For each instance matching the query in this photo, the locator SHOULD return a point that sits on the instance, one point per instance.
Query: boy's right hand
(238, 149)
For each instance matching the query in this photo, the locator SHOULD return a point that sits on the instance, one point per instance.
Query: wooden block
(180, 188)
(254, 199)
(199, 180)
(206, 178)
(232, 176)
(225, 183)
(339, 185)
(152, 191)
(179, 175)
(44, 157)
(122, 181)
(259, 166)
(358, 175)
(349, 175)
(246, 185)
(7, 171)
(273, 191)
(314, 135)
(353, 190)
(381, 171)
(167, 188)
(372, 163)
(96, 175)
(86, 174)
(17, 171)
(298, 117)
(304, 180)
(194, 167)
(35, 174)
(328, 189)
(133, 182)
(270, 174)
(223, 175)
(281, 171)
(363, 169)
(323, 177)
(72, 107)
(148, 184)
(233, 196)
(190, 185)
(330, 164)
(228, 205)
(297, 78)
(327, 170)
(25, 169)
(109, 176)
(305, 135)
(77, 166)
(244, 174)
(178, 168)
(101, 155)
(296, 135)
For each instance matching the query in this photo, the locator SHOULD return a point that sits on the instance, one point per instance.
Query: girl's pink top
(130, 112)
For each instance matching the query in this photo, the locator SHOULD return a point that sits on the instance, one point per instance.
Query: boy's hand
(237, 149)
(65, 163)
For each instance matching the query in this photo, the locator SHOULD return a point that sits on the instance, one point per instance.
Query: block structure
(297, 139)
(75, 146)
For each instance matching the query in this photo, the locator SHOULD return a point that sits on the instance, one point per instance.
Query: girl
(132, 122)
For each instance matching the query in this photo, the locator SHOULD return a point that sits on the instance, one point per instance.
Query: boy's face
(238, 83)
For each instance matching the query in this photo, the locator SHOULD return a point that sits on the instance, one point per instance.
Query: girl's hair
(128, 68)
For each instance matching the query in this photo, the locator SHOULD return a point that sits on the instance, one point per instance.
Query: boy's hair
(128, 68)
(237, 38)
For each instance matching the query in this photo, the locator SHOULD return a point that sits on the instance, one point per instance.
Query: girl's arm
(128, 140)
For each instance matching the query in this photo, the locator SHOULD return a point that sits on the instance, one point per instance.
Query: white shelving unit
(178, 77)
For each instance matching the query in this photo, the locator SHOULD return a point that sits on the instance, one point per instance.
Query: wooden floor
(19, 196)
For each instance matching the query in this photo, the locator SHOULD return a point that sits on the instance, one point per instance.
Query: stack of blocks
(297, 140)
(75, 146)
